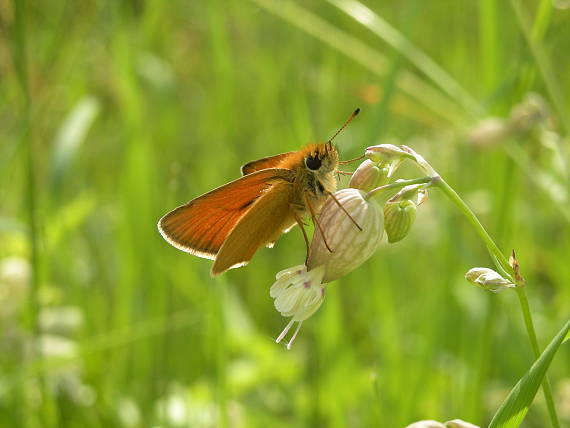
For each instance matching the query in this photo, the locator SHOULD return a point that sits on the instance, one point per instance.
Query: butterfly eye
(313, 163)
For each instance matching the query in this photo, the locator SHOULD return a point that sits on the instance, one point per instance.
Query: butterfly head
(321, 158)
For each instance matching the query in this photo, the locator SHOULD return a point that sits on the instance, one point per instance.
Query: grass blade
(514, 408)
(542, 62)
(416, 56)
(364, 55)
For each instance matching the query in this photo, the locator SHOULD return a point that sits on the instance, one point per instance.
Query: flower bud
(368, 176)
(385, 152)
(350, 246)
(488, 279)
(399, 217)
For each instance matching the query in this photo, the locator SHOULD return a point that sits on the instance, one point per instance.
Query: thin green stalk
(503, 265)
(398, 185)
(496, 254)
(401, 44)
(21, 64)
(490, 42)
(542, 20)
(221, 352)
(525, 308)
(542, 62)
(365, 55)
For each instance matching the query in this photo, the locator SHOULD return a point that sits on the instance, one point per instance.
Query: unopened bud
(368, 176)
(385, 152)
(488, 279)
(399, 217)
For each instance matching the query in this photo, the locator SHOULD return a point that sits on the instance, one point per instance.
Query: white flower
(488, 279)
(298, 294)
(350, 246)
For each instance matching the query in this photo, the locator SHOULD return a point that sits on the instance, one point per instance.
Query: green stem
(496, 254)
(525, 308)
(503, 266)
(398, 185)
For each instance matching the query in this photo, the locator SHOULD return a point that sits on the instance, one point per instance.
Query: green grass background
(114, 112)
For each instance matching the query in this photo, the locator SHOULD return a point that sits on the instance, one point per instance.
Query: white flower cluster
(299, 291)
(353, 225)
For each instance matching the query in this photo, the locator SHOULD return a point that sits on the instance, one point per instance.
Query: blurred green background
(114, 112)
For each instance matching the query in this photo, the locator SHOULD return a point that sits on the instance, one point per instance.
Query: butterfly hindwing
(269, 217)
(201, 226)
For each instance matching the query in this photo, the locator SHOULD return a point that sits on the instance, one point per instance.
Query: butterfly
(230, 223)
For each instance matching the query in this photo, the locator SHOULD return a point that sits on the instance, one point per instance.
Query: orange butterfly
(231, 222)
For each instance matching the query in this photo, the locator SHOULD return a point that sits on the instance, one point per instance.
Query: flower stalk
(509, 269)
(398, 185)
(505, 268)
(299, 291)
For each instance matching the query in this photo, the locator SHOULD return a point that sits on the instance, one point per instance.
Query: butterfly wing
(201, 226)
(268, 218)
(268, 162)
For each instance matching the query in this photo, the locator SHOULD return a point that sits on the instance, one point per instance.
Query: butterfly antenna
(352, 116)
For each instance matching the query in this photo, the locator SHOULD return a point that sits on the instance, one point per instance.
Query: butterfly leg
(351, 160)
(345, 211)
(316, 221)
(302, 226)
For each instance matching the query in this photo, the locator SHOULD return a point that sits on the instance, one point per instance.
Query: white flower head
(298, 294)
(488, 279)
(350, 245)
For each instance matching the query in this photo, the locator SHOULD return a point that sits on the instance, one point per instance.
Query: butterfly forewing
(202, 225)
(268, 162)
